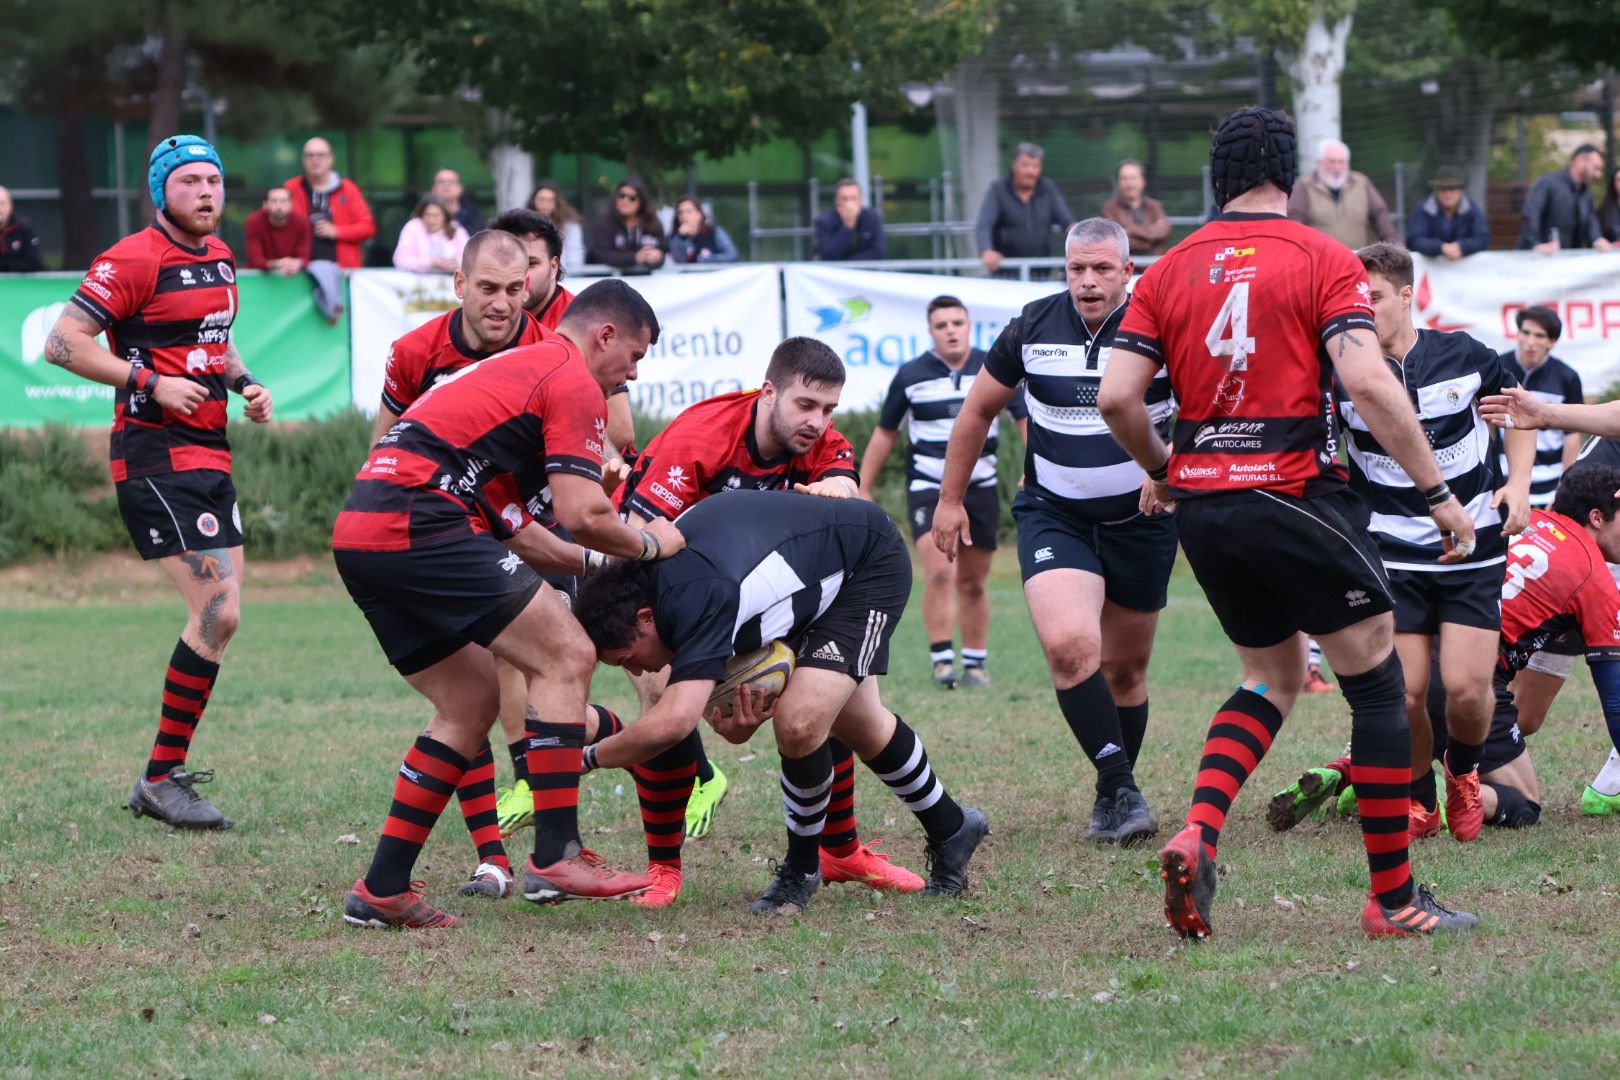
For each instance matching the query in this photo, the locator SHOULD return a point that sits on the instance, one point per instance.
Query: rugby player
(1251, 316)
(831, 576)
(419, 545)
(166, 298)
(1557, 589)
(1459, 603)
(927, 393)
(1096, 567)
(779, 436)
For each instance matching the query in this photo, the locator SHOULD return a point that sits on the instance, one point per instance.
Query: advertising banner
(1482, 293)
(717, 329)
(877, 320)
(282, 338)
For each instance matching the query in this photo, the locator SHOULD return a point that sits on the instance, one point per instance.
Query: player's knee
(1127, 680)
(1073, 659)
(970, 590)
(797, 734)
(940, 578)
(218, 619)
(1514, 809)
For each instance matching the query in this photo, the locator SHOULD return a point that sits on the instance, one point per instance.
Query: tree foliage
(659, 82)
(1582, 34)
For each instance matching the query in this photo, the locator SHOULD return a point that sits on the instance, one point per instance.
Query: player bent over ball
(831, 575)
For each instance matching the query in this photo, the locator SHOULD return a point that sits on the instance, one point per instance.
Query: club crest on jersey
(208, 525)
(1216, 272)
(226, 274)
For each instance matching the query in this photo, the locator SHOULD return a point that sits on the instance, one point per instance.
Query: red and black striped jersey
(1238, 313)
(437, 349)
(710, 447)
(169, 308)
(1556, 582)
(464, 458)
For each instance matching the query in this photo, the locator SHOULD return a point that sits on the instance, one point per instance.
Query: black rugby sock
(1089, 709)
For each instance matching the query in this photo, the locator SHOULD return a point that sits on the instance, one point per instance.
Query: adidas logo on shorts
(829, 651)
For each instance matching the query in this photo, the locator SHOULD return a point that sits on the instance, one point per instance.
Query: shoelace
(185, 781)
(1426, 898)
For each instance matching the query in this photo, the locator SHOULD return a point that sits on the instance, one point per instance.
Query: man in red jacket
(340, 222)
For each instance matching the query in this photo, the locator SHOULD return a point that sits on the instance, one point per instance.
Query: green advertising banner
(279, 332)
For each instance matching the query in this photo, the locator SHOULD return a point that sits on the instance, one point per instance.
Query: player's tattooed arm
(234, 368)
(1347, 341)
(68, 335)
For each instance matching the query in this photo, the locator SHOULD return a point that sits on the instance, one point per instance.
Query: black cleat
(788, 893)
(1133, 821)
(948, 859)
(174, 800)
(1103, 828)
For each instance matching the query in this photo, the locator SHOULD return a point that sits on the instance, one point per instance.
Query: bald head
(492, 248)
(317, 159)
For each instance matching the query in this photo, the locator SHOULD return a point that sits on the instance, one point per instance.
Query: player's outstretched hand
(668, 536)
(256, 400)
(837, 487)
(1516, 516)
(750, 707)
(1514, 407)
(1156, 499)
(950, 528)
(614, 472)
(179, 395)
(1456, 530)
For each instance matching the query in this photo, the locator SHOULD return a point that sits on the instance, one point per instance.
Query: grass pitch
(126, 950)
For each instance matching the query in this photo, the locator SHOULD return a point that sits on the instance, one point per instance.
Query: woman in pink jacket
(431, 241)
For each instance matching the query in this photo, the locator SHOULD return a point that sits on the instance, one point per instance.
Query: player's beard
(195, 224)
(785, 435)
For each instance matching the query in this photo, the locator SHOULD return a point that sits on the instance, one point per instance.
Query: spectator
(1337, 200)
(1558, 210)
(431, 242)
(1142, 218)
(340, 223)
(1447, 223)
(850, 230)
(1554, 382)
(696, 239)
(627, 235)
(1609, 212)
(278, 237)
(1020, 211)
(448, 190)
(19, 247)
(548, 200)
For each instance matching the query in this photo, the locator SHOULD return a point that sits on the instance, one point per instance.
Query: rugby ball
(768, 667)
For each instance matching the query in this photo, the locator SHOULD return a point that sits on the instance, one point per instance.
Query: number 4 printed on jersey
(1236, 346)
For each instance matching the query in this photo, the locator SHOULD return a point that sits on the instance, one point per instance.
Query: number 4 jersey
(1239, 313)
(1557, 582)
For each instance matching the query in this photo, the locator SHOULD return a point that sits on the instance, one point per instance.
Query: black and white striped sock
(974, 657)
(806, 789)
(903, 765)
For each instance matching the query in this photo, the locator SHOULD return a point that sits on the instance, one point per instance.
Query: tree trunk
(1465, 119)
(973, 111)
(80, 243)
(170, 87)
(1314, 68)
(511, 166)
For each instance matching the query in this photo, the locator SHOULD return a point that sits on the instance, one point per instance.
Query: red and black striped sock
(1381, 770)
(186, 688)
(477, 795)
(555, 752)
(840, 837)
(426, 780)
(1239, 737)
(663, 786)
(607, 723)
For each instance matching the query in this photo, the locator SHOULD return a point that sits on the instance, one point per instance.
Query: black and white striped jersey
(1445, 374)
(927, 394)
(1072, 459)
(757, 566)
(1555, 382)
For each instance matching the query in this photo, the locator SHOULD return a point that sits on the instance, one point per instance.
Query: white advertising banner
(1482, 293)
(717, 329)
(877, 320)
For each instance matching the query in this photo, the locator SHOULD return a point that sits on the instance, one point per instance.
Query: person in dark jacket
(1447, 223)
(1020, 212)
(1558, 210)
(1609, 210)
(850, 230)
(696, 239)
(19, 246)
(627, 235)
